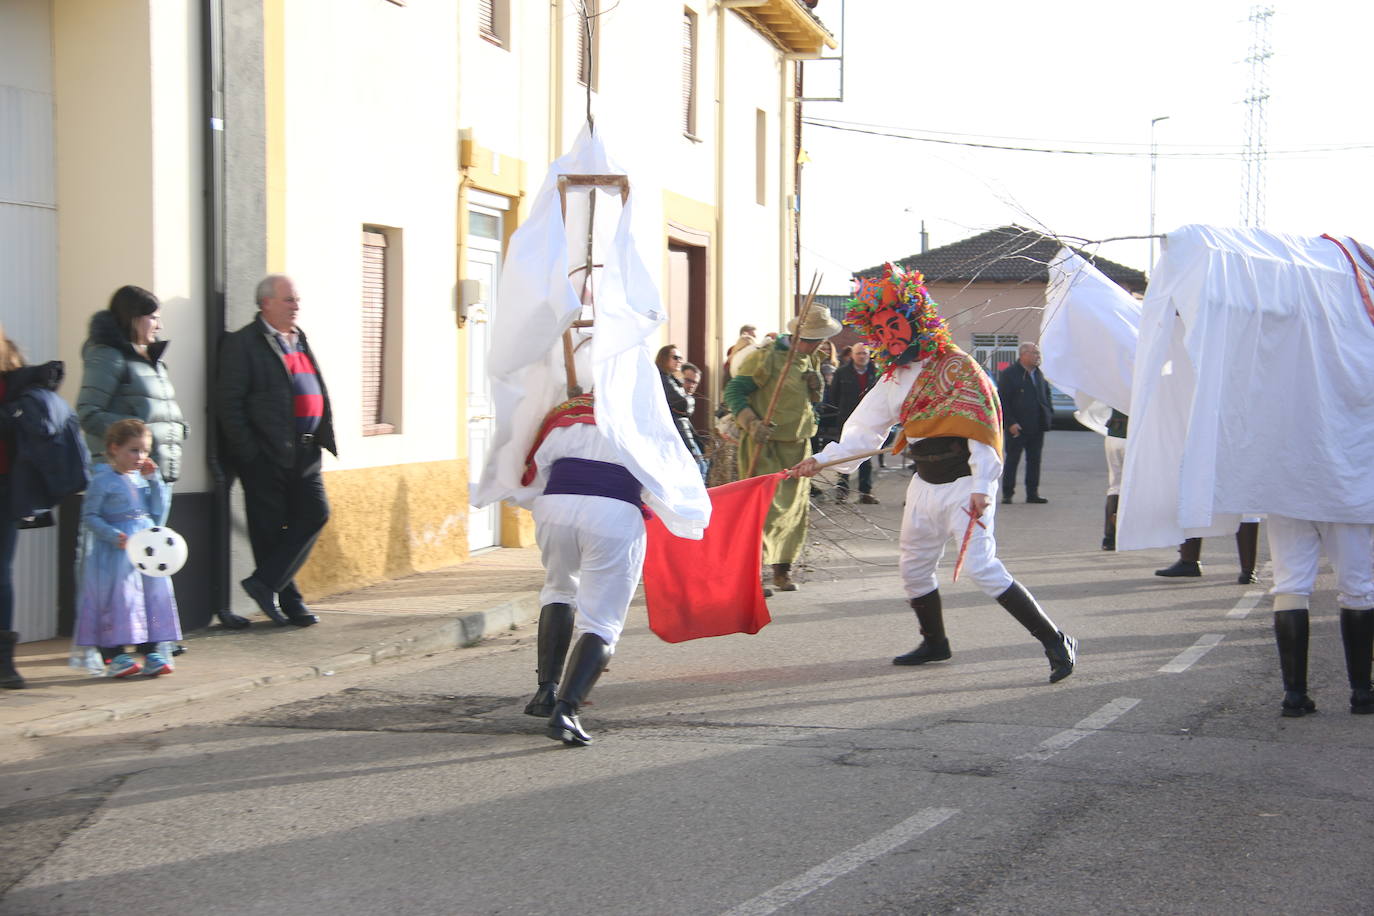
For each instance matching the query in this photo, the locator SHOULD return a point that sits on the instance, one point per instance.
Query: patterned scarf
(953, 396)
(573, 410)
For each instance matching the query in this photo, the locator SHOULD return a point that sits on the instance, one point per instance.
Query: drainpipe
(555, 79)
(212, 137)
(718, 255)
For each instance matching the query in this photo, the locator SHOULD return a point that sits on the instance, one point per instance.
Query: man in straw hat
(948, 408)
(772, 396)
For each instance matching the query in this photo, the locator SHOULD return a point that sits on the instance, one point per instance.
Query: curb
(459, 632)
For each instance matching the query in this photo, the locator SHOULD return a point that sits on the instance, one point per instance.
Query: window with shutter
(689, 73)
(376, 264)
(493, 21)
(587, 43)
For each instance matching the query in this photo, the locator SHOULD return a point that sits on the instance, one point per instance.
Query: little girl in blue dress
(120, 610)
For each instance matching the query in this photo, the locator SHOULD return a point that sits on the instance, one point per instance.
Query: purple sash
(584, 477)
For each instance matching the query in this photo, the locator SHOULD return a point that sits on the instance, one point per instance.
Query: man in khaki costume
(783, 438)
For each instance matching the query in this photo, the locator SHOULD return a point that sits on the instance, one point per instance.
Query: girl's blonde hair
(10, 357)
(122, 431)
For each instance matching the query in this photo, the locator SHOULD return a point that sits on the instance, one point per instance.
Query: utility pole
(1154, 156)
(1252, 179)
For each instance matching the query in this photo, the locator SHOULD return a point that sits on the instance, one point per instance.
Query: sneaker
(123, 665)
(155, 663)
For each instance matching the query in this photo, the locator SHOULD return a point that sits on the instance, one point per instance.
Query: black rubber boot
(1060, 648)
(1109, 525)
(1357, 632)
(934, 646)
(10, 679)
(1187, 565)
(1290, 631)
(589, 658)
(1247, 549)
(555, 633)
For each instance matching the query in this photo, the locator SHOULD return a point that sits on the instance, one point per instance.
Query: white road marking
(771, 901)
(1071, 736)
(1186, 658)
(1247, 603)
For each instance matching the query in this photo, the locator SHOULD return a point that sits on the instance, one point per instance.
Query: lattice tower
(1253, 159)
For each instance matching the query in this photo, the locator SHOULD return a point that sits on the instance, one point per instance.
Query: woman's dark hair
(661, 360)
(130, 303)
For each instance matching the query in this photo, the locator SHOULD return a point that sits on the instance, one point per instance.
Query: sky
(1079, 76)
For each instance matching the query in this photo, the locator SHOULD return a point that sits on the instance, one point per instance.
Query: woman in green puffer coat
(125, 378)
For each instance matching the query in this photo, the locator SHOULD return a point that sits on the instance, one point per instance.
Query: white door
(28, 259)
(483, 265)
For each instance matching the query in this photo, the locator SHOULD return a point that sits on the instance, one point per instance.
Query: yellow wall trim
(387, 522)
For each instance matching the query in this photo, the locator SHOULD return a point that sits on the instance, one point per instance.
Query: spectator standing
(1114, 447)
(680, 404)
(15, 380)
(1027, 413)
(853, 380)
(276, 421)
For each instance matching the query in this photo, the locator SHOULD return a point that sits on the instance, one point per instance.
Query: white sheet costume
(1254, 392)
(593, 546)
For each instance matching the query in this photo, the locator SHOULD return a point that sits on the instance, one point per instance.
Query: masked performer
(775, 441)
(586, 465)
(948, 409)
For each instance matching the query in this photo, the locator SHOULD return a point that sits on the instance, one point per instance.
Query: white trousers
(1296, 545)
(935, 513)
(593, 550)
(1116, 460)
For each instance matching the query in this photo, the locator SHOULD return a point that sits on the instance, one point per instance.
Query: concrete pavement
(416, 615)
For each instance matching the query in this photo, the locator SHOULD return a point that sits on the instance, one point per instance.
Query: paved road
(793, 772)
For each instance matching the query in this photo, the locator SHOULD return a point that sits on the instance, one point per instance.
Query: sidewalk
(415, 615)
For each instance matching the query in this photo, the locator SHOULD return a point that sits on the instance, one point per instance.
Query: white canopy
(1253, 389)
(538, 301)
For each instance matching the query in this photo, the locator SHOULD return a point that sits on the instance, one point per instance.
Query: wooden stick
(831, 464)
(786, 367)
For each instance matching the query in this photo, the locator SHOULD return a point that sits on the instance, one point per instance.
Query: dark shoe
(1291, 634)
(1006, 498)
(231, 621)
(10, 679)
(930, 618)
(293, 606)
(868, 499)
(930, 650)
(305, 619)
(1357, 635)
(589, 658)
(265, 600)
(1063, 655)
(1109, 543)
(782, 577)
(544, 700)
(1181, 569)
(555, 635)
(1036, 500)
(767, 592)
(1060, 649)
(1247, 578)
(566, 726)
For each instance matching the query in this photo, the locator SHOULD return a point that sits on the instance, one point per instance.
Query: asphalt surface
(796, 771)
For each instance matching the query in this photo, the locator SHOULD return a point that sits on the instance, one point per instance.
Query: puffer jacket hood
(118, 383)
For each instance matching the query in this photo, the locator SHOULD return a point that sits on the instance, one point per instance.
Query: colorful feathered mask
(896, 317)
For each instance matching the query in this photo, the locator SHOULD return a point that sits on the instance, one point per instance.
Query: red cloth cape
(711, 587)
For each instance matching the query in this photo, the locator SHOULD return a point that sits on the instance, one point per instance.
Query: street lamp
(1154, 156)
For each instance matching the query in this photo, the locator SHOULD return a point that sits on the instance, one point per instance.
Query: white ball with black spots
(156, 552)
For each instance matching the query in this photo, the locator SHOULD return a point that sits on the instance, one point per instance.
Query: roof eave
(787, 23)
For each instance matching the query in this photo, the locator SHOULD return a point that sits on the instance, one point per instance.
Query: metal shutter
(689, 72)
(374, 328)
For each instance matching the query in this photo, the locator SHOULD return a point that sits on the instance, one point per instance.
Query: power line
(1229, 153)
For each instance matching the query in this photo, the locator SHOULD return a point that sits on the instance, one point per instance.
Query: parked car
(1063, 411)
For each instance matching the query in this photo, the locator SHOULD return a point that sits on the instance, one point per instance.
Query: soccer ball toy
(156, 552)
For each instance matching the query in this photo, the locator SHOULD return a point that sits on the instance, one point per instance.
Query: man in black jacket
(275, 418)
(852, 381)
(1026, 416)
